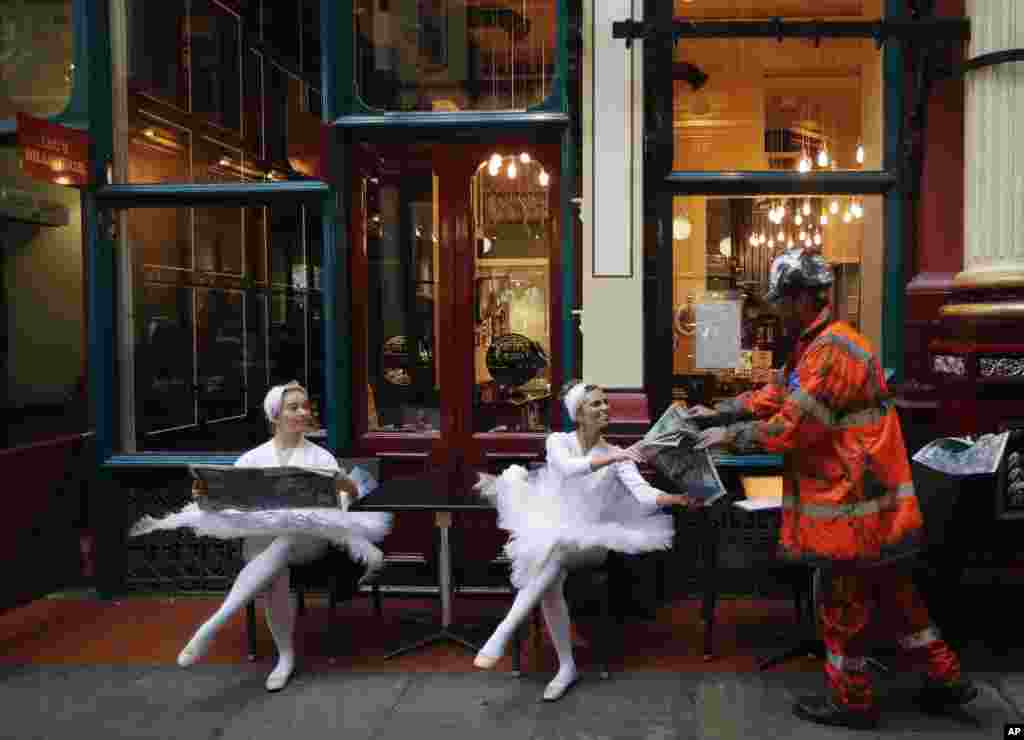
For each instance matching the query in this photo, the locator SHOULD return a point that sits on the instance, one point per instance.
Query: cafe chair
(336, 570)
(585, 589)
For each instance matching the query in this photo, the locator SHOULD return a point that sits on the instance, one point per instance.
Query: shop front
(433, 214)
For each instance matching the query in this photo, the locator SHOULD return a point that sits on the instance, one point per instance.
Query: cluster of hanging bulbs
(805, 163)
(497, 162)
(807, 232)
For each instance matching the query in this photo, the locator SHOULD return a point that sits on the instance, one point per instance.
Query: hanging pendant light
(860, 154)
(543, 178)
(780, 236)
(834, 206)
(823, 157)
(512, 171)
(817, 239)
(494, 165)
(807, 207)
(824, 218)
(798, 219)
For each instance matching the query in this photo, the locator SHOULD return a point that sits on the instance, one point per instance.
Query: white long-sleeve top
(567, 460)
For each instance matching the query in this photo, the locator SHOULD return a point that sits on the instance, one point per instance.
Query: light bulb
(860, 154)
(524, 158)
(857, 209)
(847, 217)
(493, 169)
(802, 235)
(834, 206)
(807, 207)
(780, 236)
(789, 244)
(824, 219)
(753, 240)
(823, 158)
(495, 161)
(771, 244)
(512, 171)
(805, 164)
(798, 219)
(543, 178)
(817, 239)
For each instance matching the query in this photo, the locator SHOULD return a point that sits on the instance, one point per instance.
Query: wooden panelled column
(979, 358)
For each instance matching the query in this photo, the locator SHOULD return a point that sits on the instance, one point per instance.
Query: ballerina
(276, 539)
(588, 499)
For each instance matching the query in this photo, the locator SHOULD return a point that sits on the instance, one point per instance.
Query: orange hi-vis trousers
(847, 601)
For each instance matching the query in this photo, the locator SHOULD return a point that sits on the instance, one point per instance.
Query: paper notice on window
(718, 335)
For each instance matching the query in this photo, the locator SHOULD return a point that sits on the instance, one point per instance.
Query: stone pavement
(228, 702)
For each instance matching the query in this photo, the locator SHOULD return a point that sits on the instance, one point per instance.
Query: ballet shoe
(194, 650)
(559, 685)
(485, 661)
(280, 676)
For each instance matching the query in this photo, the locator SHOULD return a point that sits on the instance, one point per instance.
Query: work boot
(825, 711)
(936, 696)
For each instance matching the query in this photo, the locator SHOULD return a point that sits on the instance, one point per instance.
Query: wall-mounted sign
(53, 153)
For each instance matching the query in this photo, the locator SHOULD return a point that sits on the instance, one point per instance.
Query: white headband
(275, 397)
(574, 398)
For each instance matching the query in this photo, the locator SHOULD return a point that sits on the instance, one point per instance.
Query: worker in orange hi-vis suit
(849, 507)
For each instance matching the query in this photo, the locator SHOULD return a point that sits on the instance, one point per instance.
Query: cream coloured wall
(612, 306)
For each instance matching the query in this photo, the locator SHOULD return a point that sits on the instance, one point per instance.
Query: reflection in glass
(164, 359)
(757, 104)
(36, 67)
(449, 55)
(220, 345)
(156, 64)
(512, 220)
(212, 337)
(215, 37)
(402, 251)
(723, 249)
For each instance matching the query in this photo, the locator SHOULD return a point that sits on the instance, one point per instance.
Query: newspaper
(256, 489)
(669, 447)
(963, 455)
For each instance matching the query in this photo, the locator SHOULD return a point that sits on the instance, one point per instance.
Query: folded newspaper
(963, 455)
(254, 489)
(669, 447)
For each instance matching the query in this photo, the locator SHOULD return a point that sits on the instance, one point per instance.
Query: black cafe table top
(431, 491)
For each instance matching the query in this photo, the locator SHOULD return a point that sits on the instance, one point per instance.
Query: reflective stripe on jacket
(848, 495)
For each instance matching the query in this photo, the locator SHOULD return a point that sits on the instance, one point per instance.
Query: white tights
(267, 571)
(547, 588)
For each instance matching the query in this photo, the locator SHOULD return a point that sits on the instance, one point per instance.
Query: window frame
(662, 183)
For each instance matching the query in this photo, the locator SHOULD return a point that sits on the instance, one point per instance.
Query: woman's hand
(347, 491)
(699, 410)
(199, 488)
(630, 454)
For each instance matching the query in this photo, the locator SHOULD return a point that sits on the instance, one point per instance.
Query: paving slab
(228, 702)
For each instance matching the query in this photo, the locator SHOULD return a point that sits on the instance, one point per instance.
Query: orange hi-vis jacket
(848, 496)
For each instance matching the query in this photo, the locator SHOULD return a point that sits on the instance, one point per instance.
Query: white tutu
(355, 531)
(543, 512)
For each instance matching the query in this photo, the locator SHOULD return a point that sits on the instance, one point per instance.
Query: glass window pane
(158, 151)
(723, 249)
(216, 85)
(275, 108)
(281, 29)
(311, 41)
(513, 220)
(287, 258)
(36, 69)
(253, 79)
(164, 357)
(211, 335)
(759, 104)
(42, 330)
(287, 336)
(156, 50)
(402, 328)
(448, 55)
